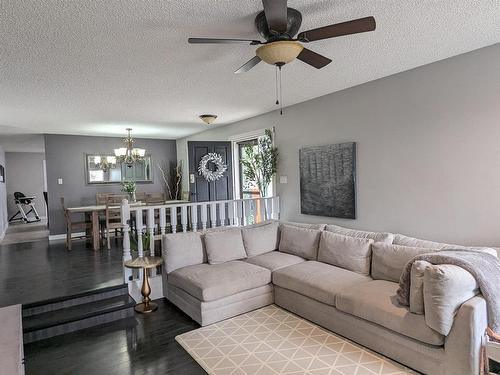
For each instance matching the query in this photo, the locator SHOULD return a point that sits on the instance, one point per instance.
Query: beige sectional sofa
(342, 279)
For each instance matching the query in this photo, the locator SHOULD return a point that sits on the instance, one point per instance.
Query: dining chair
(113, 216)
(76, 226)
(140, 196)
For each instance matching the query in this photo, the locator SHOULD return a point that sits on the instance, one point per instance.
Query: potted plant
(261, 163)
(129, 187)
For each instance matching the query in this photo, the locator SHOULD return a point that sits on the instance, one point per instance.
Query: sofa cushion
(182, 250)
(375, 236)
(446, 288)
(303, 225)
(388, 261)
(224, 246)
(401, 239)
(208, 282)
(275, 260)
(375, 301)
(353, 254)
(302, 242)
(260, 239)
(317, 280)
(417, 286)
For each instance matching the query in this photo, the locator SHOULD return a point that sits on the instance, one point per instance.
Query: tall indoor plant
(260, 163)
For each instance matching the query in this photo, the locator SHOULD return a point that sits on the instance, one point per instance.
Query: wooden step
(74, 318)
(74, 300)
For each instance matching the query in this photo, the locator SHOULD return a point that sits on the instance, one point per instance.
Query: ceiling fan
(278, 25)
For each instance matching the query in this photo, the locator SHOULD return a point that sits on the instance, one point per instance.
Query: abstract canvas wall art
(328, 180)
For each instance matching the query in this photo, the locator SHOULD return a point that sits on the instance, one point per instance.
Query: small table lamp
(145, 263)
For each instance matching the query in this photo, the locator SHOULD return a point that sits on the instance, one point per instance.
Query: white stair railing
(195, 216)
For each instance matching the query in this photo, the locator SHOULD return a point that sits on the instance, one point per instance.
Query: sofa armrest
(463, 344)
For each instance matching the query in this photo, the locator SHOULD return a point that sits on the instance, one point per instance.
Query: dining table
(94, 210)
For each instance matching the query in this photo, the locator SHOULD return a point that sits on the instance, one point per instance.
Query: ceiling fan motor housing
(294, 21)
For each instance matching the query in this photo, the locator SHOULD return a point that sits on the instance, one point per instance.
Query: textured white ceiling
(95, 67)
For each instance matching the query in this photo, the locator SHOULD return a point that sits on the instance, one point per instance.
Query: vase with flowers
(130, 187)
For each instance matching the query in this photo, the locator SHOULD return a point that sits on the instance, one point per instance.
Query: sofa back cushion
(446, 288)
(388, 261)
(224, 246)
(298, 241)
(303, 225)
(182, 250)
(375, 236)
(260, 239)
(351, 253)
(401, 239)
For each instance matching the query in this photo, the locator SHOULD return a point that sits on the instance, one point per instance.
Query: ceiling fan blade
(248, 65)
(313, 58)
(276, 12)
(360, 25)
(222, 41)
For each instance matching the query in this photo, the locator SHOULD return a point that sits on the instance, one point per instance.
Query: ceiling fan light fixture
(208, 119)
(280, 52)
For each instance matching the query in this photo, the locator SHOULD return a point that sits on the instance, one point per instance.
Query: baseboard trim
(58, 237)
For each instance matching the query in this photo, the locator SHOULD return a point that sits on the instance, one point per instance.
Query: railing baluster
(222, 214)
(125, 218)
(173, 218)
(213, 215)
(150, 223)
(194, 217)
(239, 212)
(139, 227)
(204, 216)
(230, 212)
(248, 211)
(163, 221)
(184, 218)
(276, 208)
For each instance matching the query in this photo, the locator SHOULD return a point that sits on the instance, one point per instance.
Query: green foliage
(146, 239)
(260, 164)
(129, 187)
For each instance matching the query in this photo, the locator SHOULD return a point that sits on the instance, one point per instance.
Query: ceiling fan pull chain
(277, 88)
(281, 94)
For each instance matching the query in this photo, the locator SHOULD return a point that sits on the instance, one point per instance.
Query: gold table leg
(146, 306)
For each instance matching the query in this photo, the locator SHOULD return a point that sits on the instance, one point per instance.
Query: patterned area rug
(273, 341)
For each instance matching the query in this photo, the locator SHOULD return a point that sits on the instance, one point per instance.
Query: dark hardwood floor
(141, 345)
(36, 271)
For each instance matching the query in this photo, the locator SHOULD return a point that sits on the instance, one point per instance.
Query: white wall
(3, 199)
(25, 174)
(428, 148)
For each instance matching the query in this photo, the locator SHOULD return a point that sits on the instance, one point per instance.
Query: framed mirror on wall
(105, 169)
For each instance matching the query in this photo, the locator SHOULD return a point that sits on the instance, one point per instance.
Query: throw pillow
(260, 239)
(344, 251)
(224, 246)
(182, 250)
(388, 261)
(298, 241)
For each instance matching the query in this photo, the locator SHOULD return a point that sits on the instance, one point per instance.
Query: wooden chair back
(156, 198)
(140, 197)
(102, 198)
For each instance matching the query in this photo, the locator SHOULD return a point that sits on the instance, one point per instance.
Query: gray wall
(3, 199)
(65, 156)
(428, 148)
(25, 174)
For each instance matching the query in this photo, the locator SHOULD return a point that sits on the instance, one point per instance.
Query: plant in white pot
(260, 162)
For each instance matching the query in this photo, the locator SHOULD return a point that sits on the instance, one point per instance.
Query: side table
(145, 263)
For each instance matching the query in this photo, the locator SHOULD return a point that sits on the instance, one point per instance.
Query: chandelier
(129, 154)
